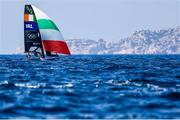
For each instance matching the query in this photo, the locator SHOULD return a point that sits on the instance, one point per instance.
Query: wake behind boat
(42, 38)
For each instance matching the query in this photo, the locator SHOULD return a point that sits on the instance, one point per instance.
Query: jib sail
(52, 39)
(32, 37)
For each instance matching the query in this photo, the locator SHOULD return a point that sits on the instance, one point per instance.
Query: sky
(88, 19)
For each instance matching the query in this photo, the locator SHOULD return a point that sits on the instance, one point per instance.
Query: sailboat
(42, 38)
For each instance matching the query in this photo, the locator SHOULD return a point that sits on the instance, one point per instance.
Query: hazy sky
(93, 19)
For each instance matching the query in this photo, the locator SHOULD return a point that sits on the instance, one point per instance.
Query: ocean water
(109, 86)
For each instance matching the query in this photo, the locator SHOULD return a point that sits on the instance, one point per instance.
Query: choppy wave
(124, 86)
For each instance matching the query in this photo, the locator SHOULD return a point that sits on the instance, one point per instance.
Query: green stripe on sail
(34, 18)
(46, 24)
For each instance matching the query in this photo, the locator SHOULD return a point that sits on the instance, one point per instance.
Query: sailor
(37, 54)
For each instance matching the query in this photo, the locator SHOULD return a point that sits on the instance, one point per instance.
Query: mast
(32, 38)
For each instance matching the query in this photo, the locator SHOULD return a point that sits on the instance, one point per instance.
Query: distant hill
(140, 42)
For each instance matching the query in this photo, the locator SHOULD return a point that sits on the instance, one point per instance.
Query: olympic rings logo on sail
(32, 36)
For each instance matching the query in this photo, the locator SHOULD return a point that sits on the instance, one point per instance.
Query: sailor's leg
(37, 54)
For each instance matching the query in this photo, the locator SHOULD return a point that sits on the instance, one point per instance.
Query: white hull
(41, 58)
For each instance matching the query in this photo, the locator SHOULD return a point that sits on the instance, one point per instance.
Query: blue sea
(94, 86)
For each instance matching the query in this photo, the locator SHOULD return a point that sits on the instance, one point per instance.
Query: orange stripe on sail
(26, 17)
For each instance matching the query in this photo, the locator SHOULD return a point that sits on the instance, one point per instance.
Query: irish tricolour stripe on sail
(51, 36)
